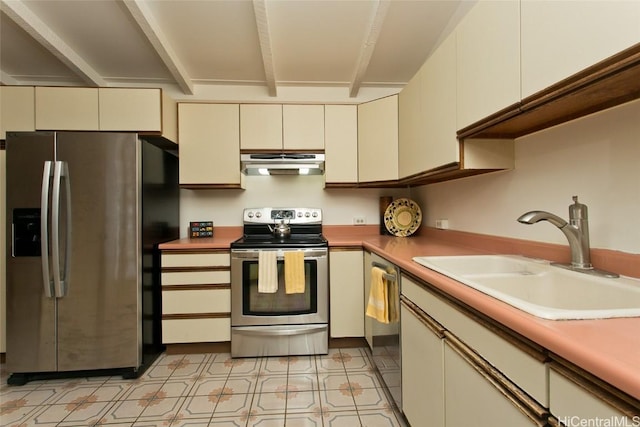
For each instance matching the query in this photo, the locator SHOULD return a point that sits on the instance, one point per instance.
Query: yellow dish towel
(267, 272)
(393, 300)
(378, 304)
(294, 280)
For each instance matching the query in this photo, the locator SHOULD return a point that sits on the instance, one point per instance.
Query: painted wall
(596, 158)
(224, 207)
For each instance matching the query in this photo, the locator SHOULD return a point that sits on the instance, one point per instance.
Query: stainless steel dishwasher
(384, 338)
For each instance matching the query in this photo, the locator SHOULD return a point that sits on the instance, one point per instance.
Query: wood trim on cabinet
(525, 403)
(345, 249)
(611, 82)
(203, 287)
(280, 150)
(614, 397)
(423, 317)
(195, 251)
(212, 186)
(182, 316)
(194, 268)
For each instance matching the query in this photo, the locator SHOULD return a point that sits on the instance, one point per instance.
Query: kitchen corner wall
(596, 158)
(224, 207)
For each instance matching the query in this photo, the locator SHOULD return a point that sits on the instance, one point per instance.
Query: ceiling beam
(378, 15)
(151, 29)
(29, 22)
(264, 34)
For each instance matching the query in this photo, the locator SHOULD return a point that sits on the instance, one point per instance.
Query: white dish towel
(267, 272)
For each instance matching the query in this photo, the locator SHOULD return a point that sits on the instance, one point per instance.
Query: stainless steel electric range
(271, 321)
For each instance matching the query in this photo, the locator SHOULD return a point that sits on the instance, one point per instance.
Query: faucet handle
(578, 210)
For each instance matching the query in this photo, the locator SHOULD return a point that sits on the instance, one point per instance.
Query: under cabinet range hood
(282, 164)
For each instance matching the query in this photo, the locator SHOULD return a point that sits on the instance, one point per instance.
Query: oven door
(252, 308)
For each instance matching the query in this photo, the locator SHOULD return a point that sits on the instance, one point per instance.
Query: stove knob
(258, 214)
(307, 214)
(250, 214)
(315, 214)
(299, 214)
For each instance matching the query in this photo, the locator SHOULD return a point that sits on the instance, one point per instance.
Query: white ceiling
(189, 44)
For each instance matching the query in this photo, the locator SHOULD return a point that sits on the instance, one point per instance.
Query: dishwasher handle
(392, 277)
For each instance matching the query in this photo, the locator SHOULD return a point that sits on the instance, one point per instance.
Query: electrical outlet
(359, 220)
(442, 224)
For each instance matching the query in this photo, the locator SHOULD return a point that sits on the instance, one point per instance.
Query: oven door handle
(281, 331)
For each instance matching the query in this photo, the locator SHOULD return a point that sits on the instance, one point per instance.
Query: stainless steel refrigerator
(85, 213)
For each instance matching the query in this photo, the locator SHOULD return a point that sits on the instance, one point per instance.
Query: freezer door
(30, 313)
(99, 321)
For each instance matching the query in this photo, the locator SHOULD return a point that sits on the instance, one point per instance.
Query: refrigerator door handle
(44, 229)
(60, 277)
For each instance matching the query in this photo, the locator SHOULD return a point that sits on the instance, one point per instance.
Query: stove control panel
(289, 215)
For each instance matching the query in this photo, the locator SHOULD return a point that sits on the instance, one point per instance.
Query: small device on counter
(201, 229)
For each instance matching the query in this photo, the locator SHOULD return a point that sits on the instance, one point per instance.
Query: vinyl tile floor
(200, 390)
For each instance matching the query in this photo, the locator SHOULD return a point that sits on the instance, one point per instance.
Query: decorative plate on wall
(402, 217)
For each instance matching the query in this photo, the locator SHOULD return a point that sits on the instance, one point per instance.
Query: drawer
(196, 301)
(196, 277)
(527, 369)
(196, 330)
(196, 259)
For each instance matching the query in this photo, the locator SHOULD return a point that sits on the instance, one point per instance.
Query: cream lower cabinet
(346, 292)
(474, 397)
(209, 136)
(422, 367)
(196, 296)
(489, 378)
(575, 401)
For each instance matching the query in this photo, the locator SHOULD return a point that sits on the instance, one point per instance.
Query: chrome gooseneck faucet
(577, 233)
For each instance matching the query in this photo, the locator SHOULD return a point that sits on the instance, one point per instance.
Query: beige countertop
(607, 348)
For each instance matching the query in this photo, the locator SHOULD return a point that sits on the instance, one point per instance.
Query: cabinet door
(572, 404)
(209, 144)
(560, 38)
(471, 399)
(378, 140)
(66, 108)
(17, 109)
(411, 137)
(346, 291)
(341, 143)
(488, 56)
(123, 109)
(422, 371)
(260, 127)
(303, 127)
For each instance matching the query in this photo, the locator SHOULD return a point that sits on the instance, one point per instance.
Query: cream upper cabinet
(341, 144)
(261, 127)
(560, 38)
(65, 108)
(411, 135)
(427, 114)
(17, 109)
(378, 140)
(346, 284)
(303, 127)
(209, 145)
(488, 60)
(139, 110)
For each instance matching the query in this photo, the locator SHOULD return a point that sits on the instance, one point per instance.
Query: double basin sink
(541, 289)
